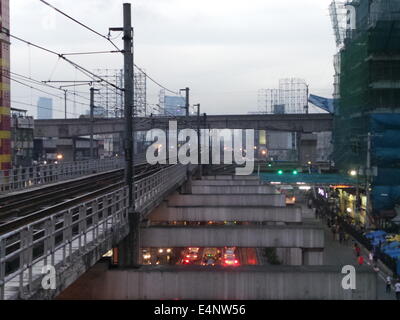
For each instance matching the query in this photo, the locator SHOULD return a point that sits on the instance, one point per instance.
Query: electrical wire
(109, 40)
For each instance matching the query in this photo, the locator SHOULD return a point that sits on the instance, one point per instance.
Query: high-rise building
(174, 106)
(367, 108)
(45, 108)
(5, 126)
(290, 98)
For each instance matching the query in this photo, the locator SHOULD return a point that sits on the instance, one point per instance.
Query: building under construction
(367, 93)
(290, 98)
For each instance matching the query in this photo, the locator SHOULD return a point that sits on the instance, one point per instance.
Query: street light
(353, 173)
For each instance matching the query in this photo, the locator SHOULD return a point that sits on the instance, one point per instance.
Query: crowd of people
(323, 212)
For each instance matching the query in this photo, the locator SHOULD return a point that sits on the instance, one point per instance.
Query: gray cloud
(224, 50)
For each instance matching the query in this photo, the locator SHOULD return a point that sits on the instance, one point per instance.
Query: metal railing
(155, 186)
(57, 239)
(23, 178)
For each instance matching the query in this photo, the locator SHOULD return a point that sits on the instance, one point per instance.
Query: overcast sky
(224, 50)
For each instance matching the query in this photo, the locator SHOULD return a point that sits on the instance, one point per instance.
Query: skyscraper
(45, 108)
(5, 131)
(175, 106)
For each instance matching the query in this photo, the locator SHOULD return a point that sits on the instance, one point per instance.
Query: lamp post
(200, 173)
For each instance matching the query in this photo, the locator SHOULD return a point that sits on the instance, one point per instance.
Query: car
(210, 256)
(191, 255)
(229, 258)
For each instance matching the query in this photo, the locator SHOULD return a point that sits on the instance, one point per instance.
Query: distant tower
(45, 108)
(5, 104)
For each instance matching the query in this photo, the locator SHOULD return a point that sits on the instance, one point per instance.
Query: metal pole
(65, 103)
(91, 122)
(187, 101)
(307, 105)
(368, 175)
(128, 97)
(200, 173)
(187, 104)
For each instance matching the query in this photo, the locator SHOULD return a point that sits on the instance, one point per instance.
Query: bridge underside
(241, 236)
(243, 283)
(221, 214)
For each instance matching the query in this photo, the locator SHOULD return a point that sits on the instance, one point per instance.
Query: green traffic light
(295, 172)
(280, 172)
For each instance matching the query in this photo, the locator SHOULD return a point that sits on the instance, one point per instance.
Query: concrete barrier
(230, 177)
(250, 214)
(238, 236)
(229, 189)
(276, 200)
(207, 283)
(226, 182)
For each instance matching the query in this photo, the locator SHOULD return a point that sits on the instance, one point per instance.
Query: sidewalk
(336, 253)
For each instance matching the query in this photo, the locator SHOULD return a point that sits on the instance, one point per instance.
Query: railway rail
(19, 209)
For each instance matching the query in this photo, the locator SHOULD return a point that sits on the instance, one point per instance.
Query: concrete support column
(129, 248)
(187, 186)
(313, 257)
(290, 256)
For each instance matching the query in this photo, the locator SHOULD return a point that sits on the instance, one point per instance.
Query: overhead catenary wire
(109, 40)
(80, 23)
(35, 81)
(42, 91)
(83, 70)
(41, 107)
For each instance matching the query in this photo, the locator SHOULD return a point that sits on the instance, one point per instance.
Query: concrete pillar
(129, 247)
(290, 256)
(313, 257)
(187, 186)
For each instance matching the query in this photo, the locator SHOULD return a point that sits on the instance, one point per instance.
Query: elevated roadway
(303, 123)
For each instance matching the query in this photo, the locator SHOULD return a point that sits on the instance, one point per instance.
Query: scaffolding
(290, 98)
(140, 94)
(367, 79)
(110, 101)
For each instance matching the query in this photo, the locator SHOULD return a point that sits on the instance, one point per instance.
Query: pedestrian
(334, 232)
(388, 284)
(360, 260)
(357, 250)
(371, 257)
(341, 236)
(397, 289)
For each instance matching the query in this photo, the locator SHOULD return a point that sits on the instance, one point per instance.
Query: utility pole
(92, 90)
(200, 173)
(368, 175)
(65, 103)
(307, 104)
(130, 247)
(187, 105)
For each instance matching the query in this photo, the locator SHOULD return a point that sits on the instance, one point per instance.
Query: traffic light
(280, 172)
(295, 172)
(269, 164)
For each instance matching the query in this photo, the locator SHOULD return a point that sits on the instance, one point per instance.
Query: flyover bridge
(303, 123)
(75, 238)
